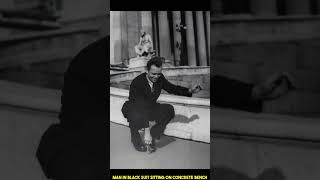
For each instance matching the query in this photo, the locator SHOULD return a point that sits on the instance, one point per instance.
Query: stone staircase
(41, 57)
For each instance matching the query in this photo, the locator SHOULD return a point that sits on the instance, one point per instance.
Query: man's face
(154, 73)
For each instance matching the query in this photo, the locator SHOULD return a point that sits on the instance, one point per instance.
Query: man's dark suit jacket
(83, 116)
(231, 93)
(142, 98)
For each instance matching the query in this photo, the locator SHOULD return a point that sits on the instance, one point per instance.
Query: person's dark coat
(83, 117)
(143, 101)
(235, 94)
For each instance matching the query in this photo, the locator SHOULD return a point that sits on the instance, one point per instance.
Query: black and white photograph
(159, 89)
(265, 89)
(53, 85)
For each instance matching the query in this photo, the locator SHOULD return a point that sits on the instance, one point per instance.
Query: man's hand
(195, 89)
(147, 136)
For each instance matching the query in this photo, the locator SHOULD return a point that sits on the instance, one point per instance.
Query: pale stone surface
(133, 31)
(192, 119)
(265, 124)
(20, 133)
(164, 31)
(294, 161)
(138, 62)
(146, 21)
(115, 38)
(192, 60)
(253, 30)
(29, 96)
(201, 46)
(174, 153)
(238, 156)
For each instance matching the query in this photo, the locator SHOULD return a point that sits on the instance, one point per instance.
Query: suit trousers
(235, 94)
(139, 117)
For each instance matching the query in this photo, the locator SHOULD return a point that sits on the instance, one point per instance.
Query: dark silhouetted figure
(76, 148)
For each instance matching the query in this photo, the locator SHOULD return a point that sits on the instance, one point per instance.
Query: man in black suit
(76, 148)
(142, 109)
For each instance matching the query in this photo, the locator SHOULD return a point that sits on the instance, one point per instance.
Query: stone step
(240, 71)
(304, 79)
(44, 46)
(21, 131)
(284, 53)
(295, 103)
(29, 97)
(289, 54)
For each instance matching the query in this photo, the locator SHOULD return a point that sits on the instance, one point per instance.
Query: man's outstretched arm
(175, 89)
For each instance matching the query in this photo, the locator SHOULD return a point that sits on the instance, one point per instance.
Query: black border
(159, 5)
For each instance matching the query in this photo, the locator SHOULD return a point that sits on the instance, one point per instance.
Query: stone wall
(41, 60)
(185, 81)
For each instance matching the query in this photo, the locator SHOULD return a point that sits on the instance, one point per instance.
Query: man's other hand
(195, 89)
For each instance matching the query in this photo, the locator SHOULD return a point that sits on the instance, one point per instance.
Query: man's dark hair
(157, 61)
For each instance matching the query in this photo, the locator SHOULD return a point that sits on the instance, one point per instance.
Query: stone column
(298, 7)
(264, 7)
(146, 21)
(115, 37)
(124, 36)
(155, 37)
(177, 36)
(164, 36)
(208, 35)
(201, 39)
(191, 48)
(133, 31)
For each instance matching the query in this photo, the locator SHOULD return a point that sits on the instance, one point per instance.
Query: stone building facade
(181, 37)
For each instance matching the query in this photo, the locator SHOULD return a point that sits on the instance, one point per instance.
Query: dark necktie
(152, 89)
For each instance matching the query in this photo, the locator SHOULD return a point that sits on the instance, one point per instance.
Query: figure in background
(75, 148)
(145, 46)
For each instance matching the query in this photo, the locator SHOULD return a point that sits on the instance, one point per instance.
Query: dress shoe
(151, 147)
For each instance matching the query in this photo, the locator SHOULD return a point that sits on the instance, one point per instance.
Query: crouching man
(142, 110)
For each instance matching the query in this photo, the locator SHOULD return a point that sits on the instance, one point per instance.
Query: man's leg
(163, 113)
(136, 138)
(137, 118)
